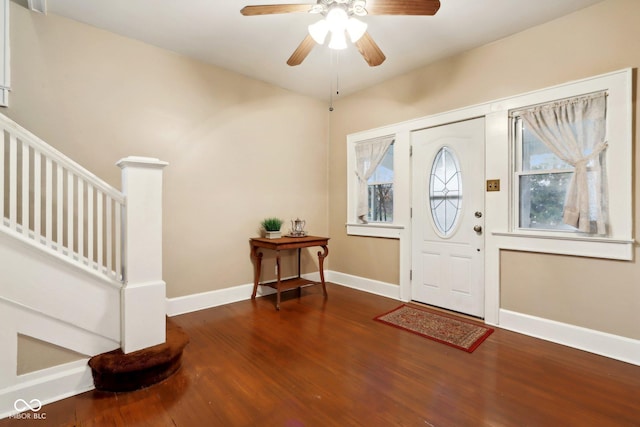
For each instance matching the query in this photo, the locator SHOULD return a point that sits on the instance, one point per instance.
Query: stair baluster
(50, 200)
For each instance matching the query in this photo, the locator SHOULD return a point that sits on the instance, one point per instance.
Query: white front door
(448, 216)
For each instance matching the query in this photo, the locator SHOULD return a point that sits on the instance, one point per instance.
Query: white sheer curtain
(369, 154)
(574, 130)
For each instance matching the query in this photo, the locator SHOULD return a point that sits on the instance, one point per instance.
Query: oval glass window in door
(445, 191)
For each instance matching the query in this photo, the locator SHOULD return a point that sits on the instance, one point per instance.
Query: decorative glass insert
(445, 191)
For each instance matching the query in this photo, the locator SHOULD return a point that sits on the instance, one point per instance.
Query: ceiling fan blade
(301, 51)
(269, 9)
(402, 7)
(370, 51)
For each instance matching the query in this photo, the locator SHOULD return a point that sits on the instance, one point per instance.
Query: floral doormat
(438, 327)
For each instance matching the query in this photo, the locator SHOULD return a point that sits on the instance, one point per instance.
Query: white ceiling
(214, 31)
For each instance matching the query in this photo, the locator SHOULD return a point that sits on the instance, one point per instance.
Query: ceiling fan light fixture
(319, 31)
(337, 14)
(356, 29)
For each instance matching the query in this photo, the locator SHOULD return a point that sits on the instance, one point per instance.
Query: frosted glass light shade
(337, 18)
(319, 31)
(356, 29)
(337, 23)
(338, 40)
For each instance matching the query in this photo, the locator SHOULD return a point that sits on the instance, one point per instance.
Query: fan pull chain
(335, 55)
(337, 73)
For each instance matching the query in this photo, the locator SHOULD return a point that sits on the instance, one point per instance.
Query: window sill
(594, 247)
(391, 231)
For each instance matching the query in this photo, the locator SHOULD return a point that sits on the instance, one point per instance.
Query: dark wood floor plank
(326, 362)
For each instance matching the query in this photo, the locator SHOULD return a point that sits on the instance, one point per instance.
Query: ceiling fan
(339, 19)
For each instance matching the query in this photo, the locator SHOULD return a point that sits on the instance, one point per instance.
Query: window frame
(619, 242)
(392, 229)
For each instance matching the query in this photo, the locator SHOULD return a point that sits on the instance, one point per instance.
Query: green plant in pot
(272, 227)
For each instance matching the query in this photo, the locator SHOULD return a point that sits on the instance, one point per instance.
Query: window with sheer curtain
(374, 170)
(560, 166)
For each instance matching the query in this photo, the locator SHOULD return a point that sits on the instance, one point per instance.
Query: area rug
(444, 329)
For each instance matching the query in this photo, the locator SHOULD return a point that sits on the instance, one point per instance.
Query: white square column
(143, 303)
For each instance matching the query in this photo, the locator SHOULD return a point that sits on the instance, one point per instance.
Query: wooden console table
(287, 243)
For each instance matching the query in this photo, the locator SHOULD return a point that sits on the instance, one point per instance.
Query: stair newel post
(143, 296)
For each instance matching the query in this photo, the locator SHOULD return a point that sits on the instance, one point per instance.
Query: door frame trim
(403, 133)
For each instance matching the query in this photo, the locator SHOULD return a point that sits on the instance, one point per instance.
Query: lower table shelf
(288, 284)
(287, 243)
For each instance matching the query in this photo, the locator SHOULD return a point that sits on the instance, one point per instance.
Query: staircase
(80, 263)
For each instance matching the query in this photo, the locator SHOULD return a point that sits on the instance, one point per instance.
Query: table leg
(299, 287)
(278, 282)
(321, 257)
(258, 267)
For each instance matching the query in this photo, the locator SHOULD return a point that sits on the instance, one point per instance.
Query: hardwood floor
(321, 362)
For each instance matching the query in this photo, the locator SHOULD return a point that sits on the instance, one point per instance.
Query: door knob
(477, 228)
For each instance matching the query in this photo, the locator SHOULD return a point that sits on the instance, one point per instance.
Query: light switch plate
(493, 185)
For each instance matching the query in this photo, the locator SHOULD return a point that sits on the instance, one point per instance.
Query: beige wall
(592, 293)
(596, 40)
(239, 150)
(34, 355)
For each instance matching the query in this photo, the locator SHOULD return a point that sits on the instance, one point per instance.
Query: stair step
(116, 371)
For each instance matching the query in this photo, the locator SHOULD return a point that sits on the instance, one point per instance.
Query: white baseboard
(204, 300)
(201, 301)
(604, 344)
(363, 284)
(46, 386)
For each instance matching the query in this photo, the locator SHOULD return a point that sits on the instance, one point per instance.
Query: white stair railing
(48, 199)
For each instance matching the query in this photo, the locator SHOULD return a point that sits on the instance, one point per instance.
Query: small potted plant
(271, 227)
